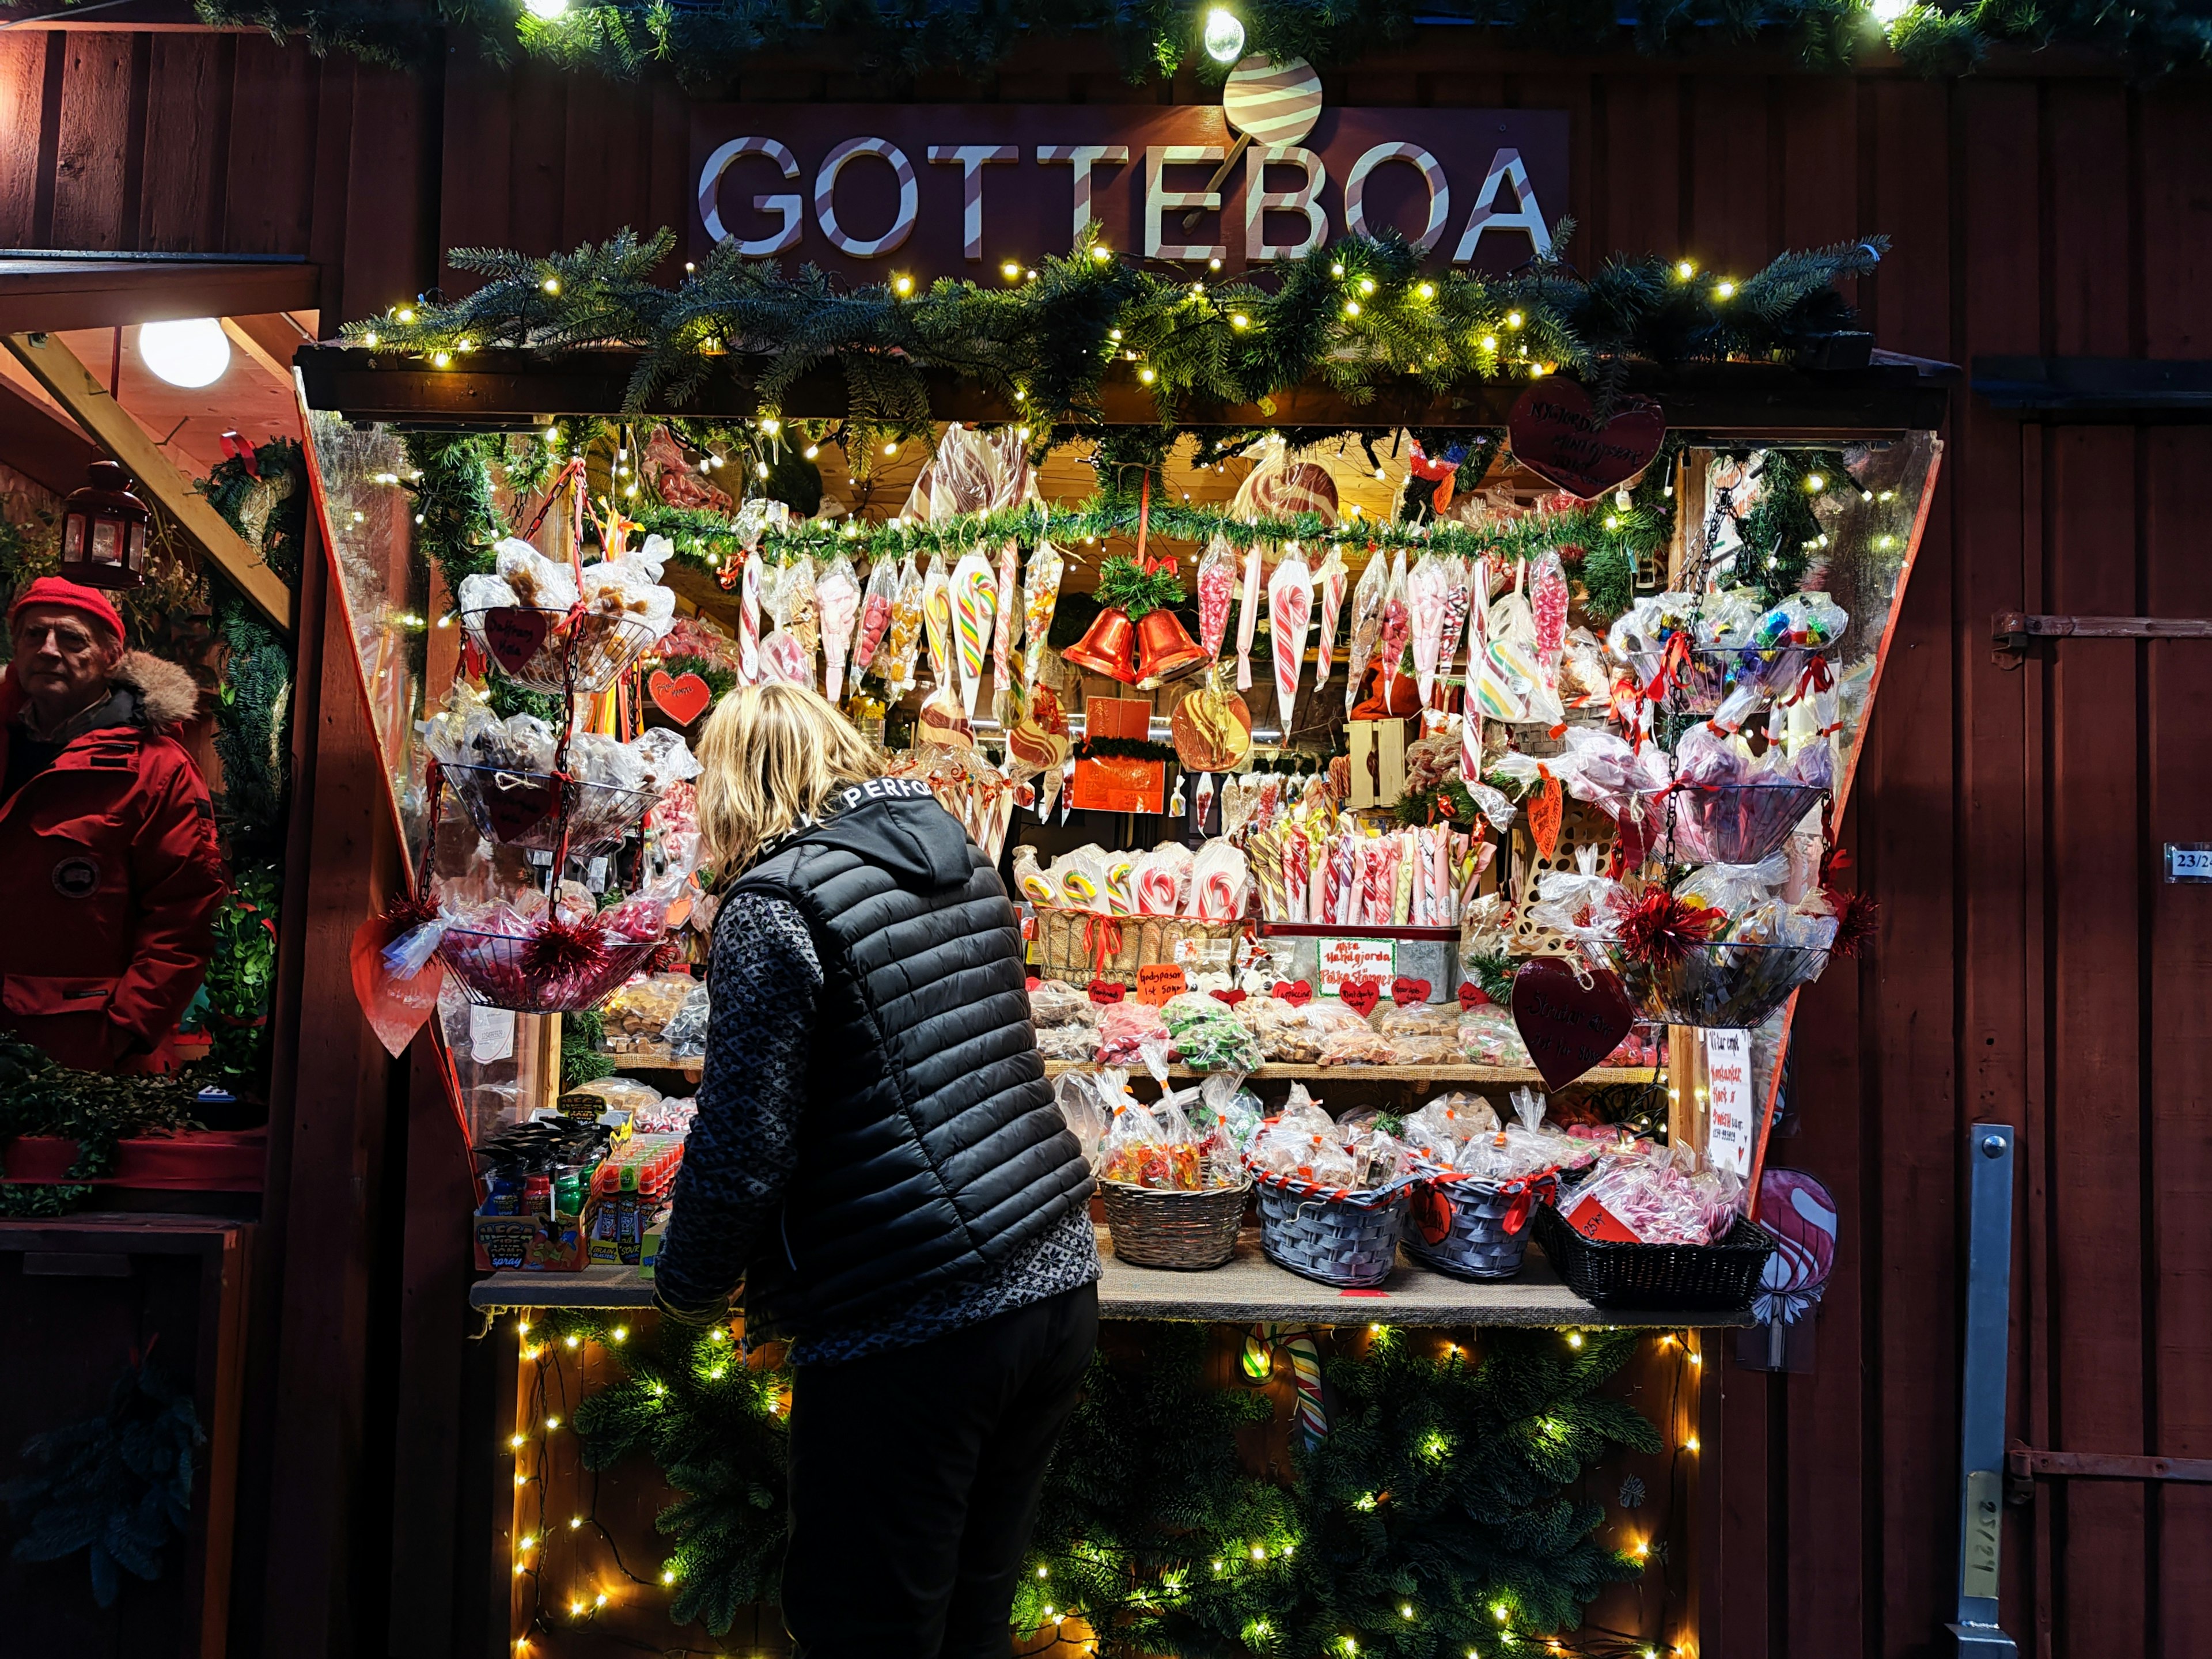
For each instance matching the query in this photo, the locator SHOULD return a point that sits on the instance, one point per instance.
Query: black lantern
(104, 530)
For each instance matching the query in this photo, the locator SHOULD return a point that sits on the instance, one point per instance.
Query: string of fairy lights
(569, 1595)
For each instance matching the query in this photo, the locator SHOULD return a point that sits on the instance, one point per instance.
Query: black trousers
(914, 1481)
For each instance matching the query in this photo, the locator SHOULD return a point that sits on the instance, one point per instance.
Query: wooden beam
(38, 444)
(72, 385)
(263, 358)
(96, 290)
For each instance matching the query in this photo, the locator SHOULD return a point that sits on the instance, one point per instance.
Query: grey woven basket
(1473, 1229)
(1190, 1231)
(1346, 1239)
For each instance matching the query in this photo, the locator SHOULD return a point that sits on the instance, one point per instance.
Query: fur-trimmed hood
(166, 693)
(151, 691)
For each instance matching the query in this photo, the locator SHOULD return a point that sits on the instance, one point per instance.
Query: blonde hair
(771, 756)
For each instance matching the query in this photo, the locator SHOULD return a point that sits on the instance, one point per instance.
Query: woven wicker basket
(1719, 1276)
(1346, 1239)
(1189, 1232)
(1473, 1229)
(1081, 945)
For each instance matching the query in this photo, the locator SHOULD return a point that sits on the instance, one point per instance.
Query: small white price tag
(491, 1034)
(1731, 1115)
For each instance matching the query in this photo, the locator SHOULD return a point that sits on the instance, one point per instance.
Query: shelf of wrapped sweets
(1493, 1075)
(1248, 1288)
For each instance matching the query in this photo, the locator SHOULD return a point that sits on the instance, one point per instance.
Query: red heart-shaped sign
(394, 1007)
(1232, 998)
(518, 802)
(1297, 992)
(1107, 990)
(1031, 983)
(682, 698)
(1360, 994)
(513, 633)
(1557, 434)
(1568, 1025)
(1472, 996)
(1404, 991)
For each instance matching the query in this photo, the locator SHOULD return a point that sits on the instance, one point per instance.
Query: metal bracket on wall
(1976, 1630)
(2012, 631)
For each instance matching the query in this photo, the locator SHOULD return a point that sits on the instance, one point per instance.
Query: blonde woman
(878, 1156)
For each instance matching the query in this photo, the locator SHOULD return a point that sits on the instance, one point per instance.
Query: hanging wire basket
(1730, 986)
(549, 650)
(524, 809)
(1730, 823)
(489, 969)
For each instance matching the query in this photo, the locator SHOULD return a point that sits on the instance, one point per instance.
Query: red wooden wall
(2032, 969)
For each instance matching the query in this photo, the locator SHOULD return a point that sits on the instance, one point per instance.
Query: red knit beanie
(89, 602)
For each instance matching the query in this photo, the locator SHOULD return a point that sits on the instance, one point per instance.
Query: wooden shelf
(1489, 1075)
(1247, 1289)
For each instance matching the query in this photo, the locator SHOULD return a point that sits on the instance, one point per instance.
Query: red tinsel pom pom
(1662, 930)
(408, 912)
(1856, 917)
(561, 950)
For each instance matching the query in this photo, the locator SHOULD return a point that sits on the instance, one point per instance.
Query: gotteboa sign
(873, 191)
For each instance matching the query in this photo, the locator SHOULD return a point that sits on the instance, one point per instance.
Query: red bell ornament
(104, 530)
(1105, 647)
(1164, 650)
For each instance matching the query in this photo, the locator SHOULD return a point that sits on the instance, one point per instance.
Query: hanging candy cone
(1164, 650)
(1105, 647)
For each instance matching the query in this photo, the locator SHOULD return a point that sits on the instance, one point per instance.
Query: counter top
(1247, 1290)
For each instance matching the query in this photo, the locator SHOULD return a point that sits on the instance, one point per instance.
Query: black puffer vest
(930, 1151)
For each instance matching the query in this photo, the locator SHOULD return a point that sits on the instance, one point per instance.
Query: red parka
(109, 876)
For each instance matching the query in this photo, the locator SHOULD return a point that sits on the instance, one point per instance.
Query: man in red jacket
(107, 844)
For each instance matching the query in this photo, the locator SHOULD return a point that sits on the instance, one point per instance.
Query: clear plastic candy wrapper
(1126, 1030)
(1438, 1019)
(1440, 1128)
(1208, 1037)
(1360, 1044)
(1229, 1113)
(621, 1094)
(1086, 1101)
(1645, 1188)
(1488, 1036)
(635, 1020)
(1304, 1143)
(1157, 1147)
(1292, 1036)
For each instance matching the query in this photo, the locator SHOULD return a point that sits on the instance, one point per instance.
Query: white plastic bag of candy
(1132, 1033)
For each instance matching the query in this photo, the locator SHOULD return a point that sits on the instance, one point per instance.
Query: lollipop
(1330, 580)
(1217, 585)
(1007, 622)
(1290, 603)
(1425, 591)
(936, 620)
(800, 611)
(875, 614)
(974, 593)
(903, 638)
(749, 613)
(1547, 602)
(1248, 618)
(1040, 597)
(837, 601)
(1366, 623)
(1397, 622)
(1456, 602)
(1470, 730)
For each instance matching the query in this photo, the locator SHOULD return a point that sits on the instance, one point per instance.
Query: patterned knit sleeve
(744, 1144)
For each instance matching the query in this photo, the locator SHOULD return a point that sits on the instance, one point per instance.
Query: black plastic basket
(1697, 1278)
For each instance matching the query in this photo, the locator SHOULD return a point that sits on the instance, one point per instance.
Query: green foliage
(241, 978)
(266, 502)
(1443, 1485)
(709, 43)
(1125, 584)
(1783, 537)
(581, 1059)
(1494, 975)
(1355, 316)
(453, 498)
(713, 1425)
(253, 726)
(117, 1486)
(94, 1108)
(720, 680)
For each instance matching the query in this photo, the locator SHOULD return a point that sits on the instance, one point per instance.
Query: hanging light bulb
(1225, 35)
(191, 352)
(546, 11)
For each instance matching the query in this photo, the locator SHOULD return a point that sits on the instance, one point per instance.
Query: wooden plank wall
(2032, 969)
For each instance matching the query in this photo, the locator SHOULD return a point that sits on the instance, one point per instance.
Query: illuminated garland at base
(1434, 1517)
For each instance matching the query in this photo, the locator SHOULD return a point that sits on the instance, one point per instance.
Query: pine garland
(707, 44)
(1434, 1517)
(1355, 316)
(95, 1109)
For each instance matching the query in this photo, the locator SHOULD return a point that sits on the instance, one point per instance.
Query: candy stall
(1420, 795)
